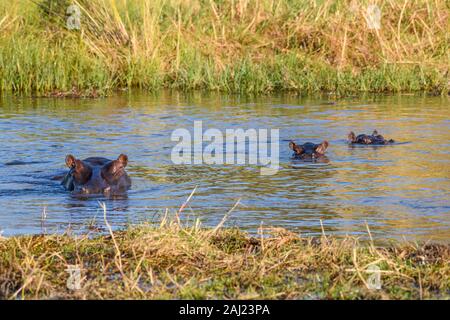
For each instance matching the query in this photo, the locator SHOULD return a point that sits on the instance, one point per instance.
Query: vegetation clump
(172, 261)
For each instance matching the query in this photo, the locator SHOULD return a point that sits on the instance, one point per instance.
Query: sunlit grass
(175, 261)
(251, 46)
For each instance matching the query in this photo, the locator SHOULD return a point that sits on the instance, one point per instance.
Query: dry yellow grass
(175, 262)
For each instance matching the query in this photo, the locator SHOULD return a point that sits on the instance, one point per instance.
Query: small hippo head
(308, 149)
(97, 175)
(362, 138)
(374, 139)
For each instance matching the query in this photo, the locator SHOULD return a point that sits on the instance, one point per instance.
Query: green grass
(171, 261)
(240, 46)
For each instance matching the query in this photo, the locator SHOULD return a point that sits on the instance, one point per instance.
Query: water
(400, 191)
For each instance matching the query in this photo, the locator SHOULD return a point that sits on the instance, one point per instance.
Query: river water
(398, 191)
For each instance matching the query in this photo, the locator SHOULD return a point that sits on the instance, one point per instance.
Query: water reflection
(399, 190)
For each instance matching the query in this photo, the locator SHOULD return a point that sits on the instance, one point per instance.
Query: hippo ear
(291, 145)
(322, 147)
(297, 149)
(70, 161)
(351, 137)
(123, 159)
(113, 169)
(375, 133)
(80, 171)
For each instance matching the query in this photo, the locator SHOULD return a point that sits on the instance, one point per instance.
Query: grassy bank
(171, 261)
(252, 46)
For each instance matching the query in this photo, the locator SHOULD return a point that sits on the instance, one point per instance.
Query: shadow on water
(399, 190)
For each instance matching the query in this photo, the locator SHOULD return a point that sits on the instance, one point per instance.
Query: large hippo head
(309, 150)
(97, 175)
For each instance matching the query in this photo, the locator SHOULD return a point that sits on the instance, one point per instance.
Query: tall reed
(230, 45)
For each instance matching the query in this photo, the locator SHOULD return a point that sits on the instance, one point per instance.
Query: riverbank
(171, 261)
(242, 46)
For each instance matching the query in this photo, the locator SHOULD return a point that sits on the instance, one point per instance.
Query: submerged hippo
(309, 150)
(373, 139)
(97, 175)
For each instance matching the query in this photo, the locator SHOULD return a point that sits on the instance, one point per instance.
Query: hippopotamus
(97, 175)
(309, 150)
(373, 139)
